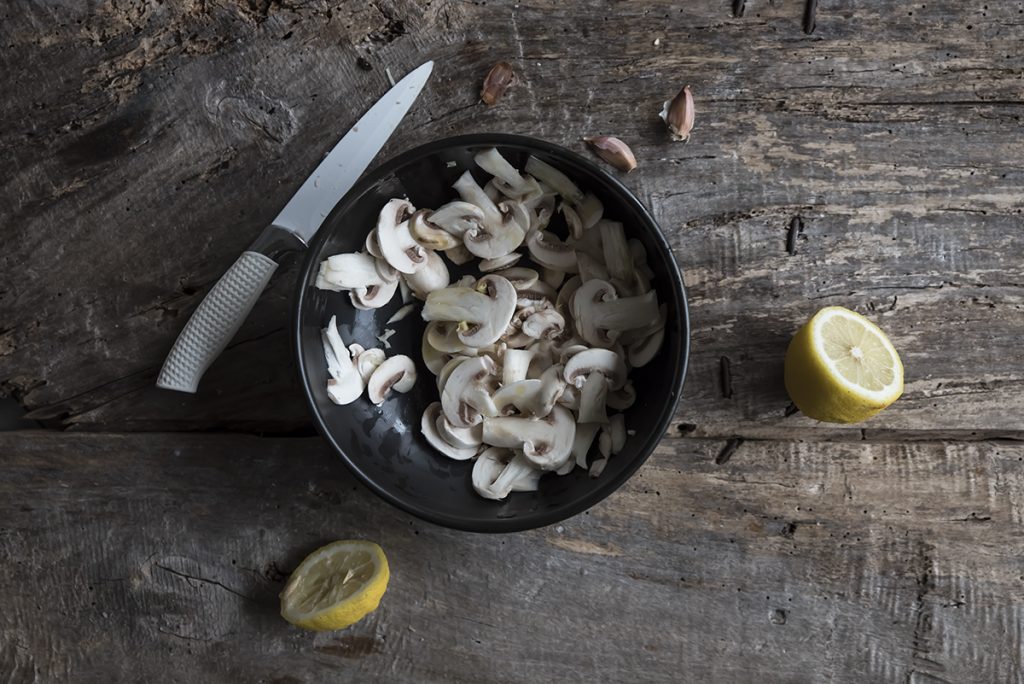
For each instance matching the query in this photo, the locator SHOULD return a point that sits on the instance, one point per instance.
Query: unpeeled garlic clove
(678, 115)
(497, 81)
(613, 151)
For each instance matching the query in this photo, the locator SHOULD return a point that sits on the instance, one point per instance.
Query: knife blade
(225, 307)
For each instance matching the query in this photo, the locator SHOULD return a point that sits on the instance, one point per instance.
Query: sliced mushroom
(546, 442)
(388, 273)
(590, 211)
(397, 373)
(493, 239)
(428, 426)
(472, 193)
(590, 243)
(492, 191)
(486, 471)
(433, 358)
(500, 263)
(548, 174)
(518, 397)
(547, 250)
(460, 438)
(457, 217)
(609, 363)
(600, 315)
(458, 255)
(372, 245)
(506, 177)
(520, 277)
(368, 361)
(349, 271)
(519, 475)
(572, 221)
(541, 211)
(540, 295)
(515, 365)
(617, 256)
(444, 337)
(570, 398)
(591, 268)
(545, 324)
(483, 311)
(447, 369)
(433, 276)
(466, 397)
(397, 245)
(643, 352)
(593, 398)
(374, 296)
(597, 467)
(345, 384)
(582, 442)
(428, 234)
(553, 278)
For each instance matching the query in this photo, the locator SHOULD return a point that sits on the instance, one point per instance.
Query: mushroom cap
(544, 324)
(546, 442)
(348, 271)
(457, 217)
(502, 298)
(428, 426)
(368, 360)
(429, 235)
(472, 193)
(547, 250)
(605, 361)
(586, 297)
(492, 239)
(396, 373)
(466, 396)
(433, 276)
(397, 245)
(500, 263)
(374, 296)
(522, 278)
(461, 438)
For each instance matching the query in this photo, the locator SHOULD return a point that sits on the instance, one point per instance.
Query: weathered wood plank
(169, 133)
(128, 557)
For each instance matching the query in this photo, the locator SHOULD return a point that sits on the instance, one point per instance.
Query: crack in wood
(728, 451)
(725, 376)
(190, 578)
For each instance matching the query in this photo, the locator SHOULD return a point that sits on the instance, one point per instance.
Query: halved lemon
(336, 586)
(841, 368)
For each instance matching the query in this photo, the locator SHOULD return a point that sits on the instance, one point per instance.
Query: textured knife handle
(215, 322)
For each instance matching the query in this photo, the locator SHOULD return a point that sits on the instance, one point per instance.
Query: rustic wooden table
(146, 143)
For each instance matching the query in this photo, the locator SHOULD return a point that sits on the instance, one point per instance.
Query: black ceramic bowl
(383, 445)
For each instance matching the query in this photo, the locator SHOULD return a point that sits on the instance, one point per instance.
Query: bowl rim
(603, 488)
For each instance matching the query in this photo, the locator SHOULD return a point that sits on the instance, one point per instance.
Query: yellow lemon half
(336, 586)
(841, 368)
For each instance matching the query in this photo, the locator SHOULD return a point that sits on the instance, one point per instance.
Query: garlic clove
(678, 115)
(613, 151)
(497, 81)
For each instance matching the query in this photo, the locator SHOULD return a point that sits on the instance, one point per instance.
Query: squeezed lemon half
(841, 368)
(336, 586)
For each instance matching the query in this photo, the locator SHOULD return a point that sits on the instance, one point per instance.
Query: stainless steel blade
(343, 165)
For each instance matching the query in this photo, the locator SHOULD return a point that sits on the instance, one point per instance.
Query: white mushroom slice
(521, 278)
(433, 276)
(457, 217)
(643, 352)
(604, 442)
(356, 349)
(493, 239)
(444, 337)
(590, 211)
(567, 468)
(348, 271)
(428, 234)
(600, 316)
(388, 273)
(518, 397)
(457, 304)
(541, 213)
(500, 263)
(617, 256)
(553, 278)
(570, 350)
(572, 221)
(546, 442)
(540, 295)
(546, 324)
(561, 183)
(397, 373)
(515, 365)
(593, 397)
(622, 399)
(465, 281)
(565, 293)
(460, 438)
(466, 397)
(345, 385)
(609, 363)
(486, 471)
(372, 245)
(368, 361)
(483, 312)
(400, 314)
(434, 359)
(639, 254)
(519, 475)
(397, 245)
(591, 243)
(591, 268)
(458, 255)
(385, 336)
(541, 361)
(582, 442)
(551, 388)
(428, 426)
(471, 192)
(446, 370)
(597, 467)
(547, 250)
(570, 398)
(492, 191)
(403, 287)
(507, 177)
(374, 296)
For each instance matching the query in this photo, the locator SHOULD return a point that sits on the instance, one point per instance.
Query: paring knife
(225, 307)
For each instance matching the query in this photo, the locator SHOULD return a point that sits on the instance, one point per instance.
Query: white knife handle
(215, 322)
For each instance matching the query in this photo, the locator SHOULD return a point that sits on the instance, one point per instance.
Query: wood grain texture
(168, 134)
(129, 557)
